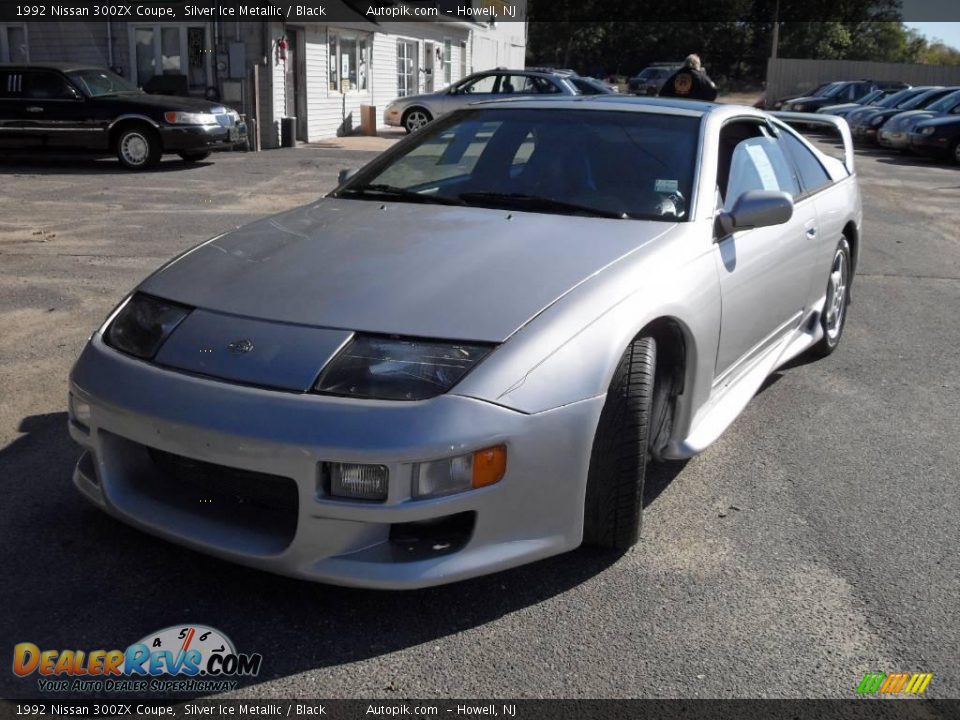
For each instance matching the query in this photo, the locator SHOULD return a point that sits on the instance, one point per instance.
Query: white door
(165, 49)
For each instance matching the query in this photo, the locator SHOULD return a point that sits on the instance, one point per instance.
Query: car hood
(841, 106)
(168, 102)
(426, 97)
(939, 121)
(399, 268)
(910, 117)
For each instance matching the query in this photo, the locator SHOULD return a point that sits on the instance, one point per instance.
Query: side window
(9, 84)
(759, 163)
(483, 84)
(47, 86)
(812, 174)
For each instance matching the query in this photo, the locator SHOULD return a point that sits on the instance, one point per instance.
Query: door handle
(34, 109)
(811, 230)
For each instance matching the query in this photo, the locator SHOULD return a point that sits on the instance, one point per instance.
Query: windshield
(101, 82)
(946, 103)
(625, 165)
(921, 100)
(871, 96)
(828, 90)
(835, 90)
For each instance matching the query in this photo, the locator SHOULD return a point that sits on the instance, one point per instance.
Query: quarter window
(47, 86)
(812, 174)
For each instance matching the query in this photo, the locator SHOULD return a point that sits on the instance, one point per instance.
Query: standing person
(690, 82)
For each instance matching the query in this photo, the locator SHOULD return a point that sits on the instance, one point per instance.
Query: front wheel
(138, 148)
(834, 314)
(415, 118)
(614, 502)
(194, 155)
(955, 153)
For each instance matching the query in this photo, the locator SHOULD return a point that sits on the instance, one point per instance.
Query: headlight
(465, 472)
(799, 108)
(190, 118)
(143, 324)
(877, 121)
(396, 369)
(928, 130)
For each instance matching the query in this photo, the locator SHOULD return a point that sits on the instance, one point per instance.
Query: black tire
(954, 156)
(192, 156)
(833, 327)
(415, 118)
(138, 147)
(613, 509)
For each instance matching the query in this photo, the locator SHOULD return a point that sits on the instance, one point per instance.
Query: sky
(949, 32)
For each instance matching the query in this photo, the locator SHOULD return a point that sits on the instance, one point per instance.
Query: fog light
(79, 410)
(458, 474)
(362, 482)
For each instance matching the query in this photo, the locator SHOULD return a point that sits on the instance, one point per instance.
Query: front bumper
(895, 139)
(864, 134)
(393, 116)
(929, 144)
(177, 138)
(136, 409)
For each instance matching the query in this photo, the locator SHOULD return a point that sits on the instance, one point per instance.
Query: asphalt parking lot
(814, 542)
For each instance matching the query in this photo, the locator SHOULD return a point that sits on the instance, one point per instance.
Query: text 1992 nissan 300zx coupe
(462, 358)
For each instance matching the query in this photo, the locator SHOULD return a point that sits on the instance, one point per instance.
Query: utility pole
(776, 30)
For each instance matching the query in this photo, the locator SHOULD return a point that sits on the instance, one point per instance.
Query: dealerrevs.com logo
(181, 658)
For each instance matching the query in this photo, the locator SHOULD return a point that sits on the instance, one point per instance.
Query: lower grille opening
(431, 538)
(88, 468)
(243, 511)
(228, 486)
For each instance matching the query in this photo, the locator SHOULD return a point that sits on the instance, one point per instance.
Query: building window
(13, 44)
(172, 50)
(406, 68)
(463, 59)
(447, 61)
(349, 61)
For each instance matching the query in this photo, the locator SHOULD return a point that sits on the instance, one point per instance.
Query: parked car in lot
(412, 112)
(866, 123)
(895, 133)
(778, 104)
(839, 92)
(870, 99)
(62, 107)
(939, 137)
(461, 358)
(649, 80)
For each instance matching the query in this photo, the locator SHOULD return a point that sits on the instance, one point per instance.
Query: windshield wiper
(379, 189)
(522, 201)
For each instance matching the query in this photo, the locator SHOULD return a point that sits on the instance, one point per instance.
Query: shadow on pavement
(76, 578)
(79, 164)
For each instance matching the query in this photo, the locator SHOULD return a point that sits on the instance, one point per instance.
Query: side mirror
(755, 209)
(345, 174)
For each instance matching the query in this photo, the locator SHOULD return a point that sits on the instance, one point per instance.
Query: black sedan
(865, 124)
(939, 137)
(61, 107)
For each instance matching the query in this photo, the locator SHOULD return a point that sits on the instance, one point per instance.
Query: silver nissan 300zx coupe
(462, 359)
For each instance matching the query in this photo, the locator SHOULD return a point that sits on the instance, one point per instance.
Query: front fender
(570, 351)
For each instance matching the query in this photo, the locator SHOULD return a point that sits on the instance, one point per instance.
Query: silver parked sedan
(462, 358)
(412, 112)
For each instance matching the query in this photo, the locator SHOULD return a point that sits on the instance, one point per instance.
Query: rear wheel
(955, 153)
(138, 147)
(192, 156)
(614, 501)
(415, 118)
(834, 314)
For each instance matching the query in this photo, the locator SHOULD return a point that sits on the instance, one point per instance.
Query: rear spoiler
(837, 123)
